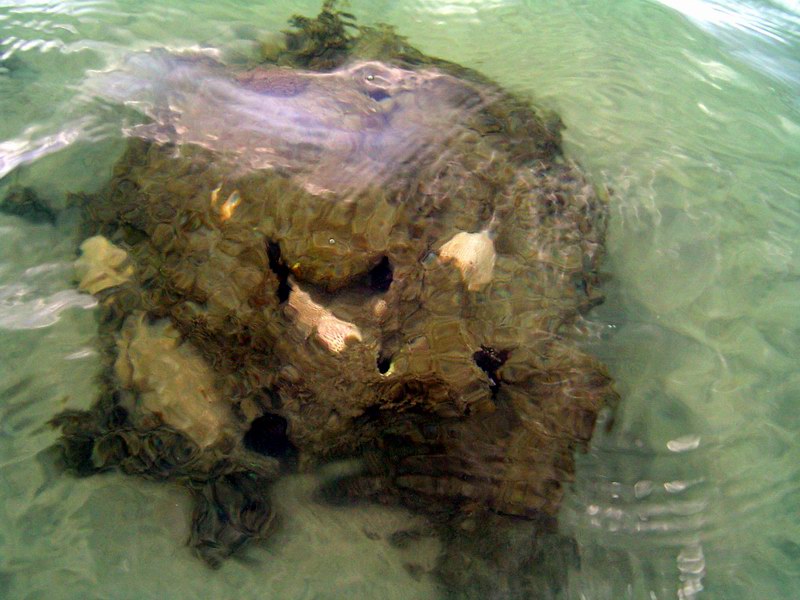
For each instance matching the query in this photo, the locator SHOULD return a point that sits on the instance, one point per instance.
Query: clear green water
(689, 110)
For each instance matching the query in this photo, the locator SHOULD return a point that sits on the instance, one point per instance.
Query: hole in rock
(489, 361)
(267, 435)
(380, 277)
(378, 94)
(384, 363)
(280, 269)
(372, 412)
(116, 417)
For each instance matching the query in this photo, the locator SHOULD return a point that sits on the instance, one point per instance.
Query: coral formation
(350, 250)
(170, 379)
(102, 265)
(474, 255)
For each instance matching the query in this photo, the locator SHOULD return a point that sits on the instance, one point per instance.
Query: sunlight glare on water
(688, 110)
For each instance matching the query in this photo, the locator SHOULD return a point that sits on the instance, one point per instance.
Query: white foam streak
(19, 311)
(29, 146)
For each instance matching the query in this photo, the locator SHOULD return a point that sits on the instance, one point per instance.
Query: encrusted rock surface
(356, 250)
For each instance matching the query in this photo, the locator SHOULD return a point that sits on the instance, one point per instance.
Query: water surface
(688, 110)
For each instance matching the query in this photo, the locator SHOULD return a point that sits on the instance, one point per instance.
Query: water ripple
(31, 146)
(690, 109)
(768, 23)
(18, 310)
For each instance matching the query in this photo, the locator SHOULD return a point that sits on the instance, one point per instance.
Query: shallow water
(689, 110)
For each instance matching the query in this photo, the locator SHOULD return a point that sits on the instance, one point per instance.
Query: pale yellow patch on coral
(226, 210)
(311, 317)
(102, 265)
(215, 195)
(380, 308)
(173, 380)
(474, 255)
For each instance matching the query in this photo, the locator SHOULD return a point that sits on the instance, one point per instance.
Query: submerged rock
(24, 202)
(352, 250)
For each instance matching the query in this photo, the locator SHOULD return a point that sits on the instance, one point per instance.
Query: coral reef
(351, 250)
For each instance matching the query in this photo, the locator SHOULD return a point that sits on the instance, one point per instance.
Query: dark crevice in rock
(117, 417)
(280, 269)
(378, 94)
(380, 277)
(267, 436)
(384, 364)
(489, 361)
(372, 412)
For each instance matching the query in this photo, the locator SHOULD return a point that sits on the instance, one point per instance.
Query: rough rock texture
(369, 252)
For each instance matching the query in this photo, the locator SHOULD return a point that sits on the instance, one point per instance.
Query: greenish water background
(689, 110)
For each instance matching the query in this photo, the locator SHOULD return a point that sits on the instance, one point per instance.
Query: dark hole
(489, 361)
(378, 94)
(384, 364)
(267, 435)
(380, 277)
(116, 417)
(280, 269)
(372, 412)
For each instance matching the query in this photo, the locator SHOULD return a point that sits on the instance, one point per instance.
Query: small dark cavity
(380, 277)
(116, 417)
(267, 436)
(370, 416)
(489, 360)
(378, 94)
(384, 363)
(372, 412)
(278, 266)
